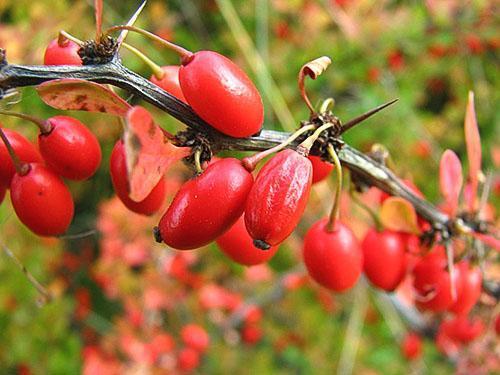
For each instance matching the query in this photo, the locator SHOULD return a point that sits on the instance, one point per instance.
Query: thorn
(348, 125)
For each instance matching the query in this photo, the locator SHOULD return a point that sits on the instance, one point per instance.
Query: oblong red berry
(170, 81)
(237, 244)
(65, 54)
(206, 206)
(278, 198)
(24, 149)
(42, 201)
(222, 94)
(70, 149)
(469, 289)
(321, 168)
(333, 259)
(3, 190)
(118, 171)
(384, 258)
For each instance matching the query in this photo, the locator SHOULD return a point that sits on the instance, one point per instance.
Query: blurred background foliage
(428, 54)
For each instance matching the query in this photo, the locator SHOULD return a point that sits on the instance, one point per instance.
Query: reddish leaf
(399, 215)
(473, 143)
(489, 240)
(149, 153)
(80, 95)
(450, 180)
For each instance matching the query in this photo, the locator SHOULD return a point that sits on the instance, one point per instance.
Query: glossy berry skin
(411, 347)
(70, 149)
(463, 329)
(118, 171)
(65, 54)
(24, 149)
(237, 244)
(333, 259)
(432, 282)
(195, 337)
(278, 198)
(222, 94)
(170, 81)
(42, 201)
(321, 169)
(384, 258)
(206, 206)
(469, 289)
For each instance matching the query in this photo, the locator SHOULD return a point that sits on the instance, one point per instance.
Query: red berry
(195, 337)
(65, 54)
(70, 149)
(384, 258)
(206, 206)
(188, 359)
(321, 169)
(24, 150)
(237, 244)
(278, 198)
(170, 81)
(118, 170)
(3, 190)
(468, 289)
(432, 281)
(411, 346)
(222, 94)
(497, 324)
(251, 334)
(333, 259)
(161, 344)
(464, 330)
(42, 201)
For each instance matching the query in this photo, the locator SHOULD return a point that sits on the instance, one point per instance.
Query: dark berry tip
(260, 244)
(157, 235)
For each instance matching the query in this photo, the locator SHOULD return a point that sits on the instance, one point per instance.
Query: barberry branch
(362, 166)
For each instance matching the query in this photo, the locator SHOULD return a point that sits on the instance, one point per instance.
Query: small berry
(333, 259)
(41, 201)
(195, 337)
(25, 151)
(170, 81)
(118, 171)
(237, 244)
(411, 347)
(251, 334)
(221, 94)
(278, 198)
(69, 148)
(65, 53)
(188, 359)
(469, 289)
(206, 206)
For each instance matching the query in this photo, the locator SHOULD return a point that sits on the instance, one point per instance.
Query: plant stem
(309, 142)
(157, 71)
(185, 55)
(330, 225)
(373, 215)
(64, 35)
(251, 162)
(21, 167)
(44, 125)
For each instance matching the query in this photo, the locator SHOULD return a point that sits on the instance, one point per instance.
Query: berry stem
(330, 225)
(251, 162)
(63, 35)
(44, 125)
(47, 297)
(197, 163)
(373, 215)
(157, 71)
(309, 142)
(451, 270)
(21, 167)
(327, 105)
(185, 55)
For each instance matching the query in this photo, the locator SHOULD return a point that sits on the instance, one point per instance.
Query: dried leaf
(399, 215)
(315, 67)
(473, 143)
(450, 180)
(80, 95)
(149, 153)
